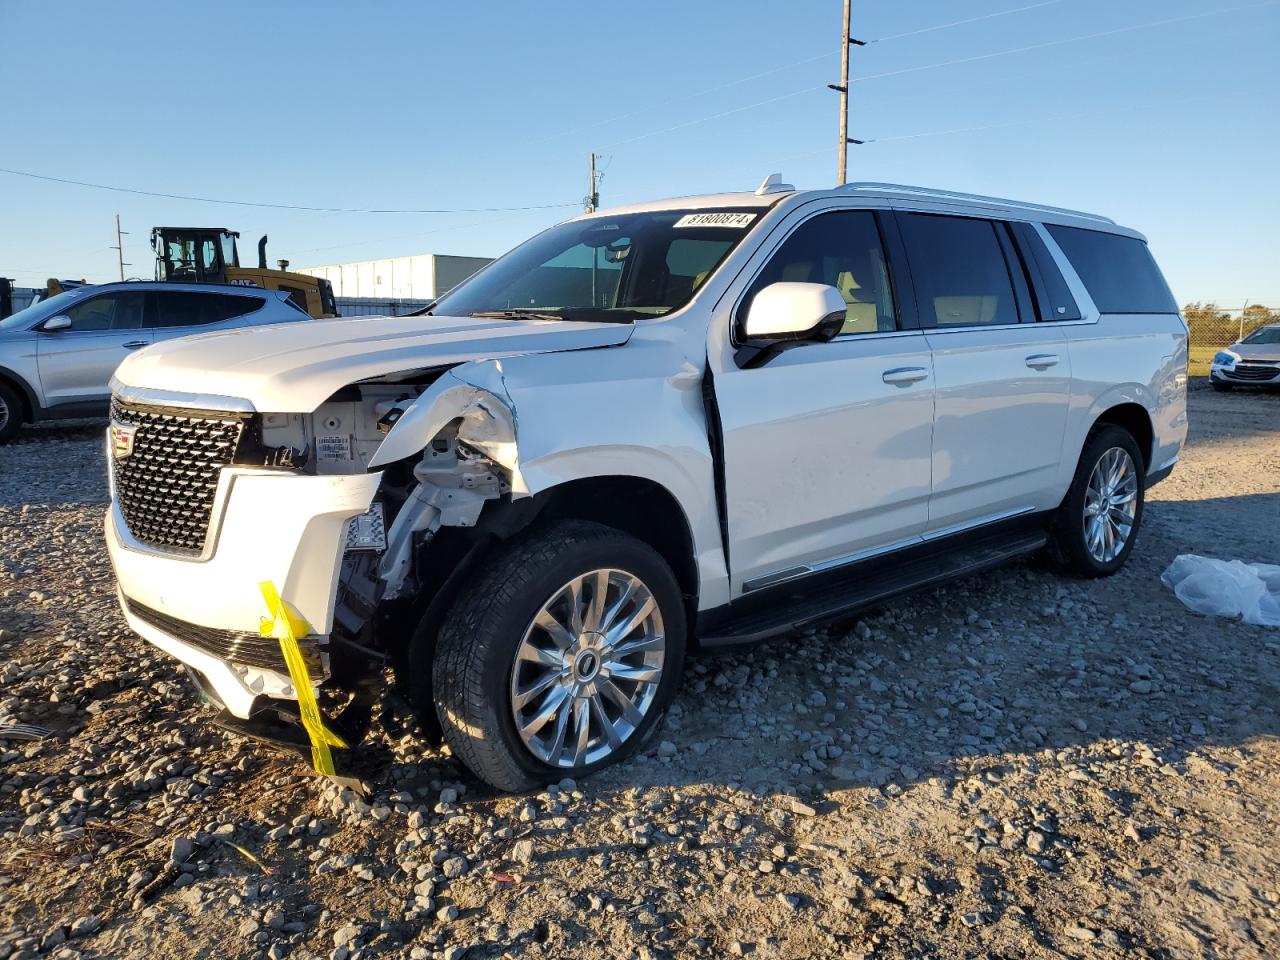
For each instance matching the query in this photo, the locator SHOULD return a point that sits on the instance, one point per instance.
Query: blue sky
(1170, 127)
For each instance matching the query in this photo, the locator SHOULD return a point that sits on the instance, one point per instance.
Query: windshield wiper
(516, 315)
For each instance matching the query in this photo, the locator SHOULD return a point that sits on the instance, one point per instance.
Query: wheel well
(642, 508)
(1134, 418)
(24, 397)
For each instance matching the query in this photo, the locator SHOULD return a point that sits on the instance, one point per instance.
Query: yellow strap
(286, 626)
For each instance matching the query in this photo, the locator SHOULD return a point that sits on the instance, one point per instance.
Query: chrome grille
(166, 485)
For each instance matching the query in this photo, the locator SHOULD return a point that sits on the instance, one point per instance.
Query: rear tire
(10, 413)
(528, 691)
(1095, 527)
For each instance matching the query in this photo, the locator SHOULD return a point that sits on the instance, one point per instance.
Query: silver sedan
(1253, 362)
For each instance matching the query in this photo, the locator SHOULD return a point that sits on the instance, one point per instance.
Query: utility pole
(592, 199)
(119, 247)
(841, 175)
(842, 88)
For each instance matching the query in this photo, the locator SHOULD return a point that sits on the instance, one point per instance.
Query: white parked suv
(646, 431)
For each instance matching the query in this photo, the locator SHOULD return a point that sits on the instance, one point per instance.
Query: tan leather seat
(859, 317)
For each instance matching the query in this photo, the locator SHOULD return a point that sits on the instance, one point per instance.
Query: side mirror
(54, 324)
(788, 314)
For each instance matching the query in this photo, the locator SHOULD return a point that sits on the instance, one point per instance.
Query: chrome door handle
(902, 376)
(1042, 361)
(134, 344)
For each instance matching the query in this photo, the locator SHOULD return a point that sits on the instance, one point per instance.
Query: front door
(76, 364)
(827, 446)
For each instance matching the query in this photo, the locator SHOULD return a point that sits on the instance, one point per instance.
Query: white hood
(294, 367)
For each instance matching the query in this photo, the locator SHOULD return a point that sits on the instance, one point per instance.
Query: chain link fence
(1211, 328)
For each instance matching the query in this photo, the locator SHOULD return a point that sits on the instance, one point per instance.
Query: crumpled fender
(476, 394)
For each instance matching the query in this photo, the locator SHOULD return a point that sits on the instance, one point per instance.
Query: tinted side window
(113, 311)
(1053, 298)
(1119, 272)
(960, 272)
(845, 251)
(189, 309)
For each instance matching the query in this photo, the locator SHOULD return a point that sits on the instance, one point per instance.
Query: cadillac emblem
(120, 439)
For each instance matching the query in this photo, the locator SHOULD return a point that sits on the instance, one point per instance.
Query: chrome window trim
(777, 235)
(965, 328)
(783, 230)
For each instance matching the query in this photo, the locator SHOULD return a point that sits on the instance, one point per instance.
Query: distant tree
(1203, 314)
(1256, 315)
(1209, 325)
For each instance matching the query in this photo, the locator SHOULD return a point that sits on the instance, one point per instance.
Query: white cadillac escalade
(674, 426)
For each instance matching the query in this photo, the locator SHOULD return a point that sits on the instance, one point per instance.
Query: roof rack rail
(975, 198)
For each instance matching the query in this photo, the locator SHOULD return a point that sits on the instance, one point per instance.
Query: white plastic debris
(1226, 588)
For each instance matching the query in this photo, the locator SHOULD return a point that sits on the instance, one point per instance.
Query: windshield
(1264, 335)
(617, 269)
(44, 308)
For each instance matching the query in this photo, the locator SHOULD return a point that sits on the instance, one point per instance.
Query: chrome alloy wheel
(4, 413)
(1110, 502)
(587, 670)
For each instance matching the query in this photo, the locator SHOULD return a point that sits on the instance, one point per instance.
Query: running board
(824, 597)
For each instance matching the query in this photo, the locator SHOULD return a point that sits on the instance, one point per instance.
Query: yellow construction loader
(210, 255)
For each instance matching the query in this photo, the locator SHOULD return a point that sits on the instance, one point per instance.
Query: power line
(913, 96)
(1056, 43)
(1055, 116)
(274, 206)
(958, 23)
(758, 76)
(714, 116)
(648, 108)
(1074, 64)
(795, 93)
(1041, 118)
(1000, 80)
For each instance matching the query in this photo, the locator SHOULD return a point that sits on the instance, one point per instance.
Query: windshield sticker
(737, 221)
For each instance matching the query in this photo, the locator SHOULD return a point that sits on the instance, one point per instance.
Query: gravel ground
(1014, 765)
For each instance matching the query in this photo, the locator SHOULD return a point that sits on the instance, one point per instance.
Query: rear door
(76, 364)
(827, 446)
(181, 313)
(1003, 380)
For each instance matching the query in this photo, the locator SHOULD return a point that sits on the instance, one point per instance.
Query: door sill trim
(780, 577)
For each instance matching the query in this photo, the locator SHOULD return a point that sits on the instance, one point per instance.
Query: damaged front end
(353, 512)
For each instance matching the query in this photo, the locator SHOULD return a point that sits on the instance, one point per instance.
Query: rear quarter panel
(1128, 358)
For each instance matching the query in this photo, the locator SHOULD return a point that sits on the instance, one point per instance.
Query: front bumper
(1245, 374)
(283, 528)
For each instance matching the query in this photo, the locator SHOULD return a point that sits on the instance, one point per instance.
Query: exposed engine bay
(391, 564)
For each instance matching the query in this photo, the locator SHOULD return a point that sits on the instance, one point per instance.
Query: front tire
(1221, 387)
(559, 658)
(1098, 521)
(10, 413)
